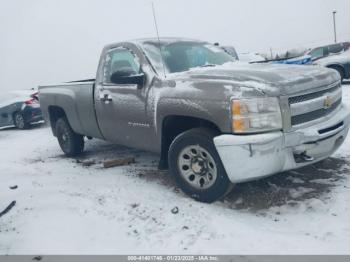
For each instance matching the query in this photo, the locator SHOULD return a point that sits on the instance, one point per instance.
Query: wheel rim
(197, 167)
(19, 121)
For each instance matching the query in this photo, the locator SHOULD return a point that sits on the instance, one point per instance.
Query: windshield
(182, 56)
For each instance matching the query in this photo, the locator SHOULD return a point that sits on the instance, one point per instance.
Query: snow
(63, 207)
(8, 98)
(250, 57)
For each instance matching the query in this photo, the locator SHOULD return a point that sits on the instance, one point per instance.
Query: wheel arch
(16, 108)
(55, 113)
(60, 101)
(17, 111)
(337, 66)
(170, 129)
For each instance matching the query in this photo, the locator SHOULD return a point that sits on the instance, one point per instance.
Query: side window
(119, 59)
(325, 51)
(337, 48)
(317, 53)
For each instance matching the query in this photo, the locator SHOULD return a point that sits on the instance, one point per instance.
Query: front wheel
(197, 167)
(70, 142)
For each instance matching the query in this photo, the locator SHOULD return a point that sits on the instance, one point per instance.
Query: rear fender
(66, 100)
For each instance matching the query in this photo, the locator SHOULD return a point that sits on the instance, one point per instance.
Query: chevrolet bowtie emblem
(328, 102)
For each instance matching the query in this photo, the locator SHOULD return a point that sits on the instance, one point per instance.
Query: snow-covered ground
(63, 207)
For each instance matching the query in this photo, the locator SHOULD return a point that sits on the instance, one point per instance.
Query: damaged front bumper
(249, 157)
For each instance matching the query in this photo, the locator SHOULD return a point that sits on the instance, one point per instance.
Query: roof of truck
(163, 40)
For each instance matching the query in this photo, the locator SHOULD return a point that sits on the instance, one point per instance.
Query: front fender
(215, 111)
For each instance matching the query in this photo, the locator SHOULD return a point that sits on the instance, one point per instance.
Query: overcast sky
(51, 41)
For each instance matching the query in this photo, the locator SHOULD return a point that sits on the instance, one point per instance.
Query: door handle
(106, 98)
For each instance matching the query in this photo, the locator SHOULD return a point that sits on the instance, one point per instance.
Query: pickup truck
(213, 121)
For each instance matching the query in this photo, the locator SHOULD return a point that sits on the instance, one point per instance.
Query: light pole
(334, 27)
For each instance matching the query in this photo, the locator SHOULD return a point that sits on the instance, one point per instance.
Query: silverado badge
(328, 102)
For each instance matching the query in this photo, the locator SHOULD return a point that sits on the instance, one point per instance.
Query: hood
(270, 79)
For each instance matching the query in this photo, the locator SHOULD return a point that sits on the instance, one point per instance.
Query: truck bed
(77, 100)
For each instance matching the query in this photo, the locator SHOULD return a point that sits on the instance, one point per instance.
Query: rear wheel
(70, 142)
(196, 165)
(19, 121)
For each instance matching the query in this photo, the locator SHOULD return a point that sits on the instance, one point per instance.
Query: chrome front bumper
(249, 157)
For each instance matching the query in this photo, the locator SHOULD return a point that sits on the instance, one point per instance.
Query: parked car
(243, 57)
(20, 108)
(339, 62)
(335, 56)
(324, 51)
(213, 121)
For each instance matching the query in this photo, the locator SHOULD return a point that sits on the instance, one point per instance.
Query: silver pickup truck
(213, 121)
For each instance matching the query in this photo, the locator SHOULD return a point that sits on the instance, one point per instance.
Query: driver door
(120, 108)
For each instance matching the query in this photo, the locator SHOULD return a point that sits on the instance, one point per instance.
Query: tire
(71, 143)
(197, 167)
(340, 71)
(19, 121)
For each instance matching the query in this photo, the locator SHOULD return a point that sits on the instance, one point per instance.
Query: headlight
(256, 115)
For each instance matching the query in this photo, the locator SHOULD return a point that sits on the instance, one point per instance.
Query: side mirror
(128, 77)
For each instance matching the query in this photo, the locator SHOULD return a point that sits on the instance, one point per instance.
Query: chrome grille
(312, 106)
(302, 98)
(303, 118)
